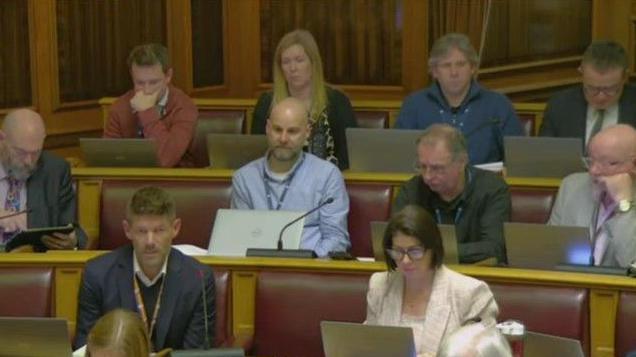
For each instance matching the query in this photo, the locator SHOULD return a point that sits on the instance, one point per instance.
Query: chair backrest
(528, 123)
(367, 202)
(559, 311)
(624, 341)
(531, 204)
(26, 292)
(197, 202)
(372, 119)
(290, 305)
(216, 121)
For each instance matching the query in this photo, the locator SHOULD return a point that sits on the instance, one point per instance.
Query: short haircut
(604, 55)
(452, 40)
(304, 39)
(416, 222)
(475, 340)
(151, 201)
(453, 139)
(149, 54)
(119, 330)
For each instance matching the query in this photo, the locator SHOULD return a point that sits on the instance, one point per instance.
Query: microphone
(279, 252)
(206, 343)
(489, 122)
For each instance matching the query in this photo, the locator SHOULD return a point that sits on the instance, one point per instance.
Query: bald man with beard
(603, 197)
(34, 182)
(291, 180)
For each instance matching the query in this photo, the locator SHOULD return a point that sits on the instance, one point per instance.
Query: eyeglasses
(414, 253)
(432, 169)
(608, 91)
(588, 162)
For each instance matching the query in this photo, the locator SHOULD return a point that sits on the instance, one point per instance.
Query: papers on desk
(491, 166)
(189, 249)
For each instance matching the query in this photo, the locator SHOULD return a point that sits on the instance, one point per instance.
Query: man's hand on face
(619, 186)
(13, 224)
(141, 101)
(60, 241)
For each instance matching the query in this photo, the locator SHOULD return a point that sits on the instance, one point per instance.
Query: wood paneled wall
(59, 56)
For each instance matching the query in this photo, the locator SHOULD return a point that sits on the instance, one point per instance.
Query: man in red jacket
(154, 108)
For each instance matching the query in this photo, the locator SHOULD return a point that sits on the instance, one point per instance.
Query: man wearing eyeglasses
(475, 201)
(602, 100)
(603, 197)
(35, 186)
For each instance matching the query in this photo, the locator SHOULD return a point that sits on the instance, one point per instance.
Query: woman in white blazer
(418, 290)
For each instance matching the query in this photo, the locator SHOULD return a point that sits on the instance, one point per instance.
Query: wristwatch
(625, 205)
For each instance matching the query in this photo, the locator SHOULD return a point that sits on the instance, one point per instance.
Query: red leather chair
(197, 202)
(214, 121)
(372, 119)
(367, 202)
(26, 292)
(624, 334)
(531, 204)
(552, 310)
(222, 330)
(290, 306)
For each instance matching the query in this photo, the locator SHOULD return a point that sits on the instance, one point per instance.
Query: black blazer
(566, 112)
(50, 196)
(107, 284)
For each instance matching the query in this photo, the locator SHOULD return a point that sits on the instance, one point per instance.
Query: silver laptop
(532, 156)
(34, 337)
(105, 152)
(542, 345)
(449, 241)
(232, 151)
(539, 246)
(382, 150)
(236, 230)
(347, 339)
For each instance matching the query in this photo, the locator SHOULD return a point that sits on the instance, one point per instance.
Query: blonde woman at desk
(418, 291)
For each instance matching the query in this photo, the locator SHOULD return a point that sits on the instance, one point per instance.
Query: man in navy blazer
(575, 111)
(43, 181)
(173, 293)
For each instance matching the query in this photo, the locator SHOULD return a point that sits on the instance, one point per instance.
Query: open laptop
(232, 151)
(539, 246)
(539, 344)
(236, 230)
(212, 352)
(346, 339)
(103, 152)
(449, 241)
(533, 156)
(34, 337)
(382, 150)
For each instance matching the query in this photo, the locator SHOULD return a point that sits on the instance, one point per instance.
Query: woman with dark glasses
(418, 291)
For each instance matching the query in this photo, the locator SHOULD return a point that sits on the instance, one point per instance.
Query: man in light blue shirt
(287, 178)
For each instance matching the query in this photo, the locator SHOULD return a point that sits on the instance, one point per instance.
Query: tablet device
(34, 236)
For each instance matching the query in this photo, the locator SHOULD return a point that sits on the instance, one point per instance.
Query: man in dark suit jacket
(165, 287)
(574, 112)
(43, 181)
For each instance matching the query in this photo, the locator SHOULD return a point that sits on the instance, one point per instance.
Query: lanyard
(269, 193)
(142, 308)
(458, 215)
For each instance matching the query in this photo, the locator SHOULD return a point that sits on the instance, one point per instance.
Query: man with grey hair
(455, 98)
(476, 201)
(602, 100)
(34, 182)
(155, 109)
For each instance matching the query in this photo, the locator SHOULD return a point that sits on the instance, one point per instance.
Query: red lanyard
(142, 308)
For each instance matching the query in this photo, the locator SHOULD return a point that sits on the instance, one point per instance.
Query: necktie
(601, 239)
(12, 202)
(598, 124)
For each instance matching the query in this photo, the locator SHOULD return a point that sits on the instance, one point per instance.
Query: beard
(15, 169)
(285, 154)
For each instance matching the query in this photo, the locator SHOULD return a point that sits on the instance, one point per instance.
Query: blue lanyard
(269, 193)
(460, 209)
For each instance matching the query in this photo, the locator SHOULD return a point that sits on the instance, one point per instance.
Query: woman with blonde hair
(118, 333)
(297, 71)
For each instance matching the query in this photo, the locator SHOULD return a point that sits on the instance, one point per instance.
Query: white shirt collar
(143, 277)
(164, 99)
